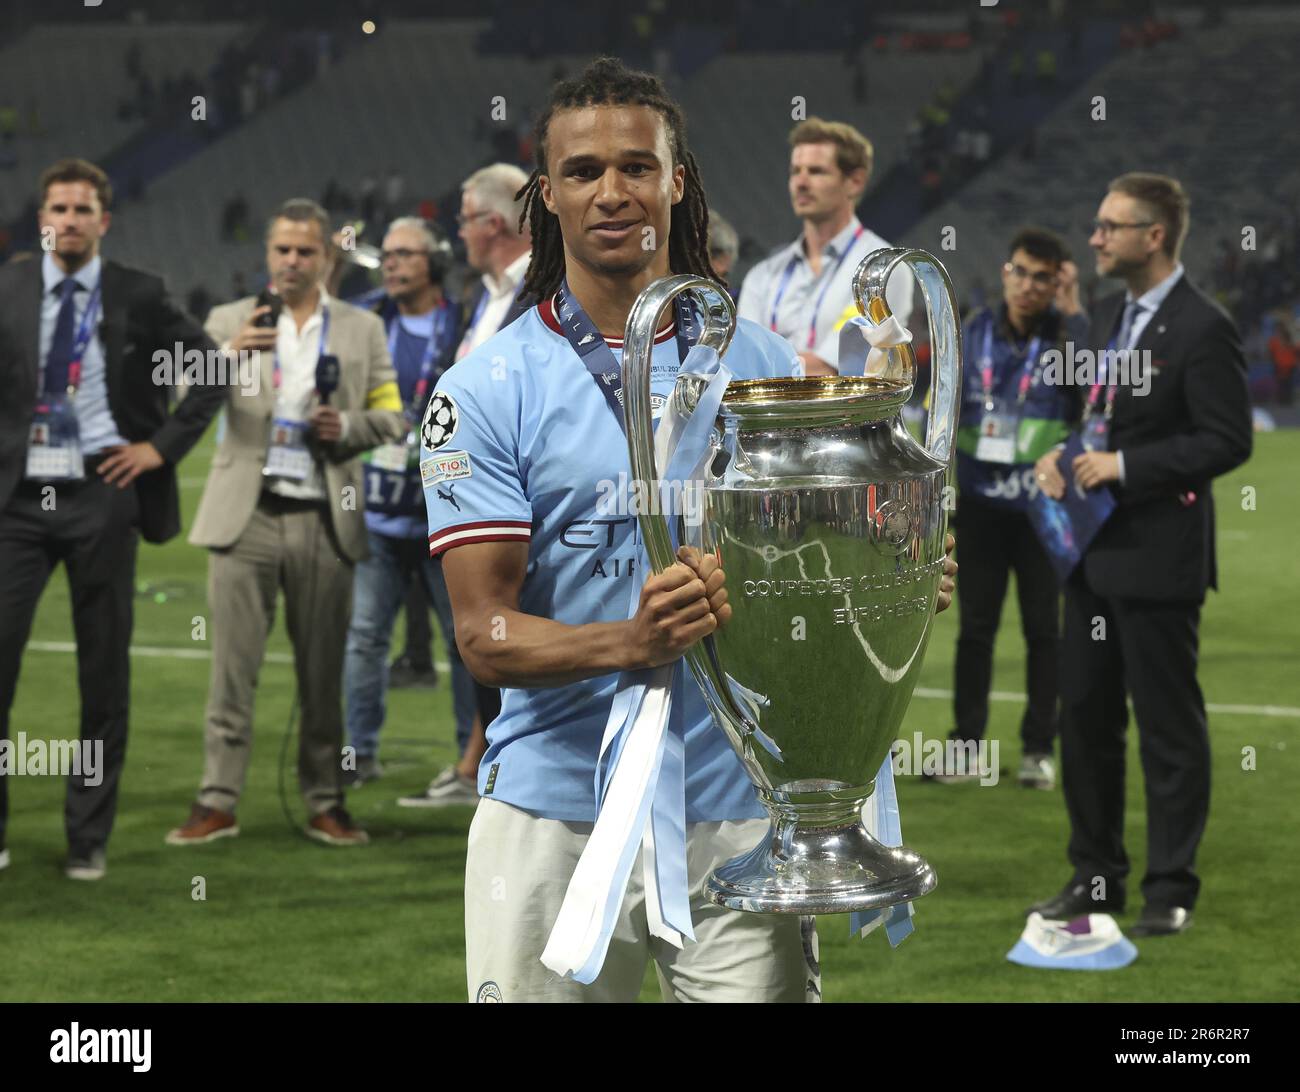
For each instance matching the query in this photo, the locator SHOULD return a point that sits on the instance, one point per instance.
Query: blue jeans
(378, 590)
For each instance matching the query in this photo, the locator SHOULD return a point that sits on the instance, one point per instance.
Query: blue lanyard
(1111, 388)
(788, 272)
(599, 358)
(324, 335)
(437, 340)
(1027, 374)
(81, 342)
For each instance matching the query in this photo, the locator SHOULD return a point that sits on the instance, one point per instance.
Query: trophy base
(819, 870)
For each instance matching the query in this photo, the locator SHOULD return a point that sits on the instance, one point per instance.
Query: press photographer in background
(498, 246)
(422, 327)
(1009, 417)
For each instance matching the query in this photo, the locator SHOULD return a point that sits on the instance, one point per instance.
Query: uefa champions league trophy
(829, 521)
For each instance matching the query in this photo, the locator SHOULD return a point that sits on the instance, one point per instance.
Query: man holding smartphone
(284, 508)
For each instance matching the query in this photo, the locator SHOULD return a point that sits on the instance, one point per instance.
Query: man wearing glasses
(1010, 417)
(498, 247)
(421, 325)
(1133, 604)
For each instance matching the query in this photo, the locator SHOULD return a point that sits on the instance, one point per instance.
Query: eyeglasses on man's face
(1041, 280)
(462, 219)
(1109, 227)
(401, 253)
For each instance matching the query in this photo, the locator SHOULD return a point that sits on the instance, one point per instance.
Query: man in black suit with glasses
(1133, 604)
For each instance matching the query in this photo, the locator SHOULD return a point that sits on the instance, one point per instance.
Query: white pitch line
(442, 665)
(1210, 707)
(154, 650)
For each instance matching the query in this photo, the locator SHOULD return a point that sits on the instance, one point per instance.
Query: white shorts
(516, 873)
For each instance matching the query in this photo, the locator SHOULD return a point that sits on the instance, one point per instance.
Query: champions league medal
(829, 521)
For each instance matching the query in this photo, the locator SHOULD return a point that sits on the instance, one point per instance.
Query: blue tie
(60, 355)
(1131, 310)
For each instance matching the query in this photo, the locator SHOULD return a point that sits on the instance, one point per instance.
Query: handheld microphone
(327, 377)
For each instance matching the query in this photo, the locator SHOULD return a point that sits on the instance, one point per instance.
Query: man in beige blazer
(283, 508)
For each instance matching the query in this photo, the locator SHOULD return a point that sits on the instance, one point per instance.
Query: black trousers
(92, 528)
(419, 649)
(991, 543)
(419, 631)
(1147, 650)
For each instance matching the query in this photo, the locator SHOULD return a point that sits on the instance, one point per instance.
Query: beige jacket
(367, 396)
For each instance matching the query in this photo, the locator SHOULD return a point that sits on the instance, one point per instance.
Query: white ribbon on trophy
(865, 345)
(641, 767)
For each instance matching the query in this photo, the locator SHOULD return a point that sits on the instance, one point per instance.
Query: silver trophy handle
(719, 316)
(945, 333)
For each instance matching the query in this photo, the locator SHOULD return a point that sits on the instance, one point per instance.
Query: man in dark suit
(88, 452)
(1132, 606)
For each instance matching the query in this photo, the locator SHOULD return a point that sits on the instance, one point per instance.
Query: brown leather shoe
(336, 828)
(204, 825)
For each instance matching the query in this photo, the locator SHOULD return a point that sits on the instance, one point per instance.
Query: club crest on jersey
(440, 421)
(450, 466)
(490, 994)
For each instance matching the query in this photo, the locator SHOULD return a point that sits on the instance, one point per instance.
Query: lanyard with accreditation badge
(54, 441)
(1000, 422)
(287, 455)
(392, 480)
(599, 358)
(1096, 425)
(788, 272)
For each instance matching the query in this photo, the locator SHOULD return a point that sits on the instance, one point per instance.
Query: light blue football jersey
(519, 444)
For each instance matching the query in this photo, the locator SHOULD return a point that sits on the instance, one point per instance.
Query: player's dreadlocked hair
(608, 82)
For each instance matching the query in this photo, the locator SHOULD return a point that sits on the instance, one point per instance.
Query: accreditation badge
(997, 436)
(54, 444)
(1096, 433)
(287, 455)
(397, 457)
(393, 479)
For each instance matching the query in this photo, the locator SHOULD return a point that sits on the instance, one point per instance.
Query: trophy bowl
(829, 520)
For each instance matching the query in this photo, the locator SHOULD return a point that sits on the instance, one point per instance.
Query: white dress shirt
(299, 352)
(499, 294)
(808, 310)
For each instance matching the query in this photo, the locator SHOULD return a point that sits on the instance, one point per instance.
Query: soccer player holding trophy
(542, 553)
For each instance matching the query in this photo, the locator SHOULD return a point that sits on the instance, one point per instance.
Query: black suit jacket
(138, 318)
(1191, 426)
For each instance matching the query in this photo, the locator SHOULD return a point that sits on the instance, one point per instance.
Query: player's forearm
(510, 648)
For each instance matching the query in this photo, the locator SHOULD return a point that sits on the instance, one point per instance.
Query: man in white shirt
(284, 508)
(804, 292)
(498, 245)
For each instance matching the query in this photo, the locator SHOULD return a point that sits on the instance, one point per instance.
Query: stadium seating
(90, 65)
(1238, 166)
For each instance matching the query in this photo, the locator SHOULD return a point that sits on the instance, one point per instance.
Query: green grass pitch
(285, 919)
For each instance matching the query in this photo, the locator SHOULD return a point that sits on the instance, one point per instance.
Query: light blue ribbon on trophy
(640, 778)
(864, 350)
(883, 823)
(865, 345)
